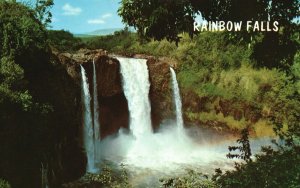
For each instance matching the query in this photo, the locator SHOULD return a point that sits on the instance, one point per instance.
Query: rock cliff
(112, 102)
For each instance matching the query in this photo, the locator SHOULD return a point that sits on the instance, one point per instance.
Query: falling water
(177, 100)
(88, 137)
(136, 87)
(96, 104)
(170, 150)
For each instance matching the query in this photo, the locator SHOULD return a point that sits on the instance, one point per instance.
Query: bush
(4, 184)
(106, 178)
(271, 169)
(21, 32)
(190, 180)
(64, 41)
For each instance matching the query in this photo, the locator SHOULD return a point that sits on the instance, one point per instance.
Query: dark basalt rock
(112, 102)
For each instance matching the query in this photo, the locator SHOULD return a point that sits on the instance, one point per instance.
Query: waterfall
(88, 137)
(136, 87)
(177, 100)
(96, 104)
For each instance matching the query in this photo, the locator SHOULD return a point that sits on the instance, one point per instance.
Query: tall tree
(42, 8)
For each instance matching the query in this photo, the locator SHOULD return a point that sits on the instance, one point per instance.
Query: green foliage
(168, 20)
(276, 50)
(64, 41)
(4, 184)
(119, 42)
(296, 71)
(153, 18)
(190, 180)
(277, 167)
(229, 121)
(106, 178)
(211, 51)
(36, 99)
(244, 149)
(12, 84)
(42, 9)
(273, 168)
(22, 37)
(21, 32)
(231, 87)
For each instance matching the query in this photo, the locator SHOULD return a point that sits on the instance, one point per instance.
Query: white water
(149, 156)
(177, 101)
(88, 132)
(96, 104)
(148, 153)
(136, 87)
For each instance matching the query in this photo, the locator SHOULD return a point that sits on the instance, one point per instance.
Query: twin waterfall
(136, 86)
(96, 104)
(91, 126)
(88, 128)
(177, 101)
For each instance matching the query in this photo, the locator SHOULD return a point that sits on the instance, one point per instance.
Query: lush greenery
(221, 84)
(167, 20)
(224, 87)
(4, 184)
(277, 167)
(153, 18)
(271, 169)
(36, 100)
(118, 42)
(189, 180)
(63, 41)
(117, 178)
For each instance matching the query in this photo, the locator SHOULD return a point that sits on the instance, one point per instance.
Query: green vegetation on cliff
(221, 83)
(37, 109)
(63, 41)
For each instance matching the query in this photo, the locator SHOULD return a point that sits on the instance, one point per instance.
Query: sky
(84, 16)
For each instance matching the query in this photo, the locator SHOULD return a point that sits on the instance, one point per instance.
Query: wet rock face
(114, 114)
(108, 76)
(112, 102)
(160, 90)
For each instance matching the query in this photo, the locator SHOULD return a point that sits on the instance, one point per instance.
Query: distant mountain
(100, 32)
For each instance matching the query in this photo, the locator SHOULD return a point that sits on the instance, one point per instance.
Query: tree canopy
(167, 19)
(22, 37)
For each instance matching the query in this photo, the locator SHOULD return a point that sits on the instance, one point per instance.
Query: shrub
(4, 184)
(190, 180)
(64, 41)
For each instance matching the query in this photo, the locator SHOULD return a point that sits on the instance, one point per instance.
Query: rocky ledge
(112, 102)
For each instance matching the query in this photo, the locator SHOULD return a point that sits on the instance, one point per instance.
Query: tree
(167, 19)
(42, 8)
(64, 40)
(21, 32)
(159, 19)
(21, 37)
(244, 149)
(154, 18)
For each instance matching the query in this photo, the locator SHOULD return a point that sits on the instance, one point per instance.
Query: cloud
(108, 15)
(69, 10)
(100, 20)
(96, 21)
